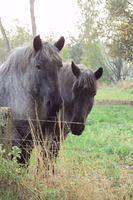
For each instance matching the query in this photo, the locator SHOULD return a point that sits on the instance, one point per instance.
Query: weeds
(96, 165)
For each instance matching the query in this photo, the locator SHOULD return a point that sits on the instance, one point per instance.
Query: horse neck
(66, 81)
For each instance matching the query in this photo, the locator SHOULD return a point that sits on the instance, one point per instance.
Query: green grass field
(96, 165)
(114, 93)
(108, 136)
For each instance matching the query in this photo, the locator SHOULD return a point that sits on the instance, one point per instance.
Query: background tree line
(105, 37)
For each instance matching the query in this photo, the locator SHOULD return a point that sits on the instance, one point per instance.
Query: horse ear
(75, 69)
(60, 43)
(98, 73)
(37, 43)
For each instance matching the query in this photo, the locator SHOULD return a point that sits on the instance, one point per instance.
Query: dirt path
(114, 102)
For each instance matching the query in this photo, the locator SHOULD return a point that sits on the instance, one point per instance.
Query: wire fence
(56, 121)
(38, 140)
(67, 122)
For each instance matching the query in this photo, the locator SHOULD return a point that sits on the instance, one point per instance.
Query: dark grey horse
(78, 88)
(29, 85)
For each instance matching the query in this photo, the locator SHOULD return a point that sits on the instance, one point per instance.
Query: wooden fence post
(6, 129)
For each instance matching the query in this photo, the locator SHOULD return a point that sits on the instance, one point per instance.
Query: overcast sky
(52, 16)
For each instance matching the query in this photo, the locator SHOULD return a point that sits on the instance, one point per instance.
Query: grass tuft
(96, 165)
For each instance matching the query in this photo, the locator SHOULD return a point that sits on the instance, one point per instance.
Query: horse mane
(20, 57)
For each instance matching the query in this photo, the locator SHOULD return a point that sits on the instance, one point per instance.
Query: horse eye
(93, 94)
(38, 67)
(60, 66)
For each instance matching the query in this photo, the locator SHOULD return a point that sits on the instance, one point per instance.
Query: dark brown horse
(29, 85)
(78, 85)
(78, 89)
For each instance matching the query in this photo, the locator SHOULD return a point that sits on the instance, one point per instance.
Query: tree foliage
(65, 53)
(76, 49)
(93, 55)
(120, 26)
(20, 36)
(93, 52)
(5, 38)
(17, 36)
(107, 34)
(90, 19)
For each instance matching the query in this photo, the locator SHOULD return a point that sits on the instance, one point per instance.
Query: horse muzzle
(77, 128)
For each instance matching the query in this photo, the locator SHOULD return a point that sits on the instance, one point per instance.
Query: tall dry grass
(76, 182)
(72, 179)
(127, 84)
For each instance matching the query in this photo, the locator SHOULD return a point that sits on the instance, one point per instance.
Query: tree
(119, 37)
(75, 49)
(20, 35)
(32, 14)
(3, 51)
(107, 37)
(120, 20)
(5, 38)
(65, 53)
(93, 55)
(90, 19)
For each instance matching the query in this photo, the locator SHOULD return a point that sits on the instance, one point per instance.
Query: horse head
(83, 91)
(46, 65)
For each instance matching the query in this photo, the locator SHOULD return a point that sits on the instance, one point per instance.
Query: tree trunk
(5, 36)
(119, 66)
(32, 14)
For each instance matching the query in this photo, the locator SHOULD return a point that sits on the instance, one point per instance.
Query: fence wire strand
(61, 121)
(53, 121)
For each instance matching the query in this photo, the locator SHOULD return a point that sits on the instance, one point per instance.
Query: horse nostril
(77, 129)
(49, 103)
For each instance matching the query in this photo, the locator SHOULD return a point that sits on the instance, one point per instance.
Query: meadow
(96, 165)
(121, 91)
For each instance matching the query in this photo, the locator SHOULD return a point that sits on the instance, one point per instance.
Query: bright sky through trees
(52, 16)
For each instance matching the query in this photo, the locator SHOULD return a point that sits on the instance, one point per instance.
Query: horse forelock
(87, 79)
(50, 53)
